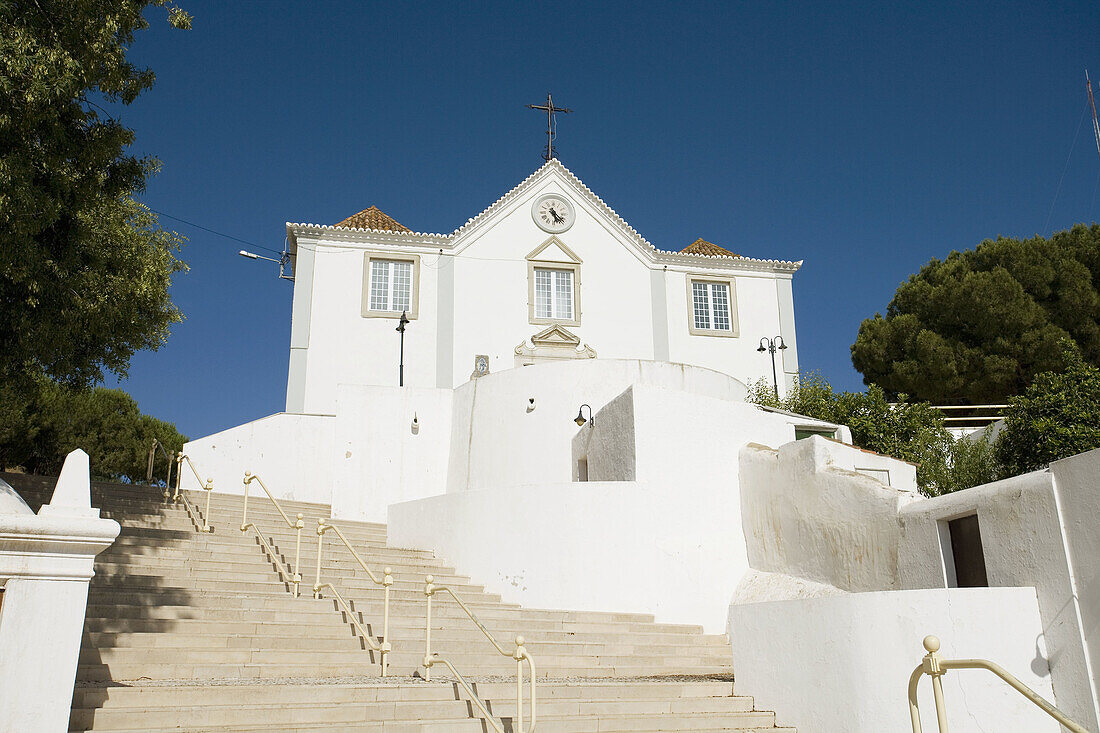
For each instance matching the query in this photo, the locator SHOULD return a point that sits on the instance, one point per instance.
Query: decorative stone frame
(567, 261)
(728, 280)
(414, 294)
(553, 343)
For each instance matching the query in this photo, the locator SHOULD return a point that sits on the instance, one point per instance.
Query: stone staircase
(195, 632)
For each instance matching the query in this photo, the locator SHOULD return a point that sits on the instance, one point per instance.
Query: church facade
(548, 272)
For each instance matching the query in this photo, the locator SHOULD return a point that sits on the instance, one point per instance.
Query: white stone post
(45, 565)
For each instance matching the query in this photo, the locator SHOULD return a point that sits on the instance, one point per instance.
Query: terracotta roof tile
(703, 247)
(372, 218)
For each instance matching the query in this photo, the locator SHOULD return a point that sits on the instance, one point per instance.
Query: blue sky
(864, 139)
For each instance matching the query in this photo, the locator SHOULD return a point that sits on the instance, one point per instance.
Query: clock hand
(557, 219)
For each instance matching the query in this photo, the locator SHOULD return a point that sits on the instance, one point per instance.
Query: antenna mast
(1092, 104)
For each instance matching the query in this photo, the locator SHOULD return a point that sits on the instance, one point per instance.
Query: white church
(547, 272)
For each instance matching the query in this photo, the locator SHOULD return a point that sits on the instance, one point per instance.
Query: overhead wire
(215, 232)
(1058, 190)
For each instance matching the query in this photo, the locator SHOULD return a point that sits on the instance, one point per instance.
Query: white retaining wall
(841, 664)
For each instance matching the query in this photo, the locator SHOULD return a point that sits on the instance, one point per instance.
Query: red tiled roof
(703, 247)
(373, 218)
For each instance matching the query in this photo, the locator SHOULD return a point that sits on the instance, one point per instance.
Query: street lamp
(401, 363)
(579, 419)
(767, 344)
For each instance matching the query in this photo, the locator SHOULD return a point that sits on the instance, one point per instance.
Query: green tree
(978, 326)
(912, 432)
(106, 423)
(84, 268)
(1057, 417)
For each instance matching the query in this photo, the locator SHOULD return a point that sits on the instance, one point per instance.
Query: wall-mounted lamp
(415, 425)
(530, 404)
(580, 417)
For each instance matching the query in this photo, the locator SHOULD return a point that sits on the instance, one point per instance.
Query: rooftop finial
(550, 109)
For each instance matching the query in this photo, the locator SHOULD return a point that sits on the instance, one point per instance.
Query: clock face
(553, 213)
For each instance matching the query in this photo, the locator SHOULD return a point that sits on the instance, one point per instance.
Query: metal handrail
(936, 667)
(169, 456)
(294, 578)
(520, 655)
(208, 487)
(385, 581)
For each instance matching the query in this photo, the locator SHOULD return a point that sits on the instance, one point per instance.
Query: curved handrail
(169, 457)
(294, 578)
(520, 655)
(207, 486)
(486, 714)
(936, 666)
(382, 648)
(386, 581)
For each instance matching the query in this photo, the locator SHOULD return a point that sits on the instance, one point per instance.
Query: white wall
(379, 457)
(842, 664)
(291, 453)
(498, 440)
(1076, 480)
(600, 546)
(808, 514)
(669, 543)
(1023, 540)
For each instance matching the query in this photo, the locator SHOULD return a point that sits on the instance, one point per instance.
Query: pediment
(554, 250)
(553, 343)
(556, 336)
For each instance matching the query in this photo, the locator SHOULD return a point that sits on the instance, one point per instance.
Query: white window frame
(710, 280)
(414, 294)
(566, 261)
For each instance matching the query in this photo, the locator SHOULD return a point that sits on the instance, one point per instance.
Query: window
(553, 284)
(554, 294)
(391, 286)
(713, 307)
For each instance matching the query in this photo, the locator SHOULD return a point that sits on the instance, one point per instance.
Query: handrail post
(387, 581)
(244, 512)
(298, 525)
(931, 665)
(320, 542)
(168, 477)
(209, 488)
(518, 655)
(428, 590)
(179, 474)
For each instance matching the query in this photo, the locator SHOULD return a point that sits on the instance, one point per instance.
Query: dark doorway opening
(966, 551)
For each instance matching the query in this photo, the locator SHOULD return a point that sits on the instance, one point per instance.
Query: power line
(220, 234)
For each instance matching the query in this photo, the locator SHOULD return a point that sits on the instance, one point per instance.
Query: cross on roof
(550, 109)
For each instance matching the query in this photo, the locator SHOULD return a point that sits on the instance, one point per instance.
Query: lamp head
(760, 348)
(580, 419)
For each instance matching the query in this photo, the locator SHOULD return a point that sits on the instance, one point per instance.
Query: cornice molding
(447, 241)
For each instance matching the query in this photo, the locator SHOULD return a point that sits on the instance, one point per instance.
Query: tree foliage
(978, 326)
(37, 433)
(1057, 417)
(84, 269)
(912, 432)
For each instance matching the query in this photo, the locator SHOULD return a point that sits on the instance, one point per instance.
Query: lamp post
(771, 345)
(401, 363)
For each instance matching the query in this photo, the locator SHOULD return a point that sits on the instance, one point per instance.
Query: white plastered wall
(291, 453)
(1025, 541)
(808, 514)
(380, 455)
(668, 543)
(842, 664)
